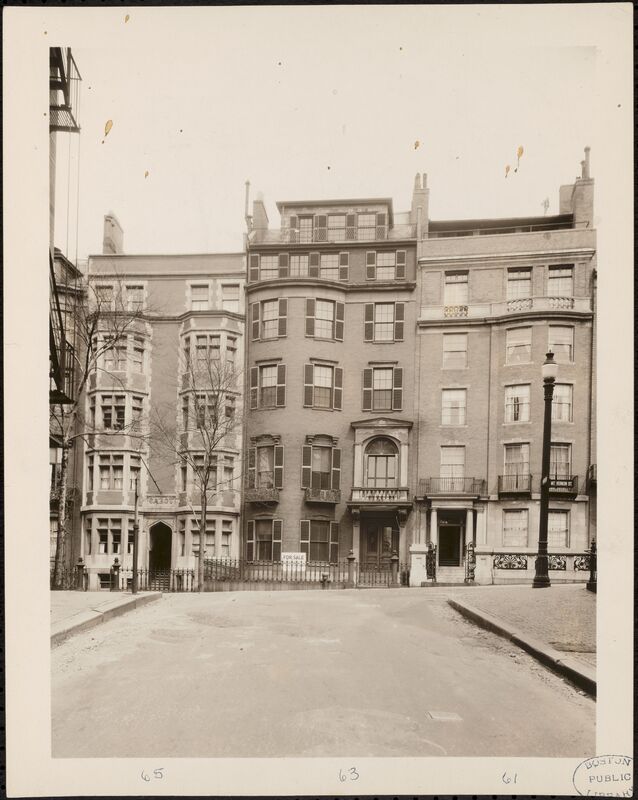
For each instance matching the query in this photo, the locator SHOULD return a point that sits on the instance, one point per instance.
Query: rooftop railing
(380, 494)
(333, 235)
(440, 486)
(530, 227)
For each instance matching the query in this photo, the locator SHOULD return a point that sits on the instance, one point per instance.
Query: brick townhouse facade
(394, 391)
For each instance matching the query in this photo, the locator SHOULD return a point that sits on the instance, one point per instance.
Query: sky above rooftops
(318, 103)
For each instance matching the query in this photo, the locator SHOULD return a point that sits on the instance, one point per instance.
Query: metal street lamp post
(550, 370)
(136, 536)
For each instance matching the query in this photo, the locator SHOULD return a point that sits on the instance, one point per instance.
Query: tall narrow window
(134, 297)
(382, 389)
(227, 532)
(134, 472)
(454, 350)
(453, 406)
(558, 529)
(515, 526)
(561, 343)
(518, 346)
(230, 297)
(386, 266)
(560, 461)
(366, 227)
(517, 403)
(231, 349)
(199, 297)
(137, 405)
(456, 290)
(268, 386)
(516, 468)
(560, 282)
(321, 476)
(562, 402)
(323, 387)
(305, 229)
(383, 322)
(270, 319)
(265, 467)
(137, 354)
(299, 265)
(324, 319)
(519, 283)
(452, 469)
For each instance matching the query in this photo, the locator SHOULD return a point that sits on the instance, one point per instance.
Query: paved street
(308, 673)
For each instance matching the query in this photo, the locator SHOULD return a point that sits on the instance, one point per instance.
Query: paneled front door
(380, 542)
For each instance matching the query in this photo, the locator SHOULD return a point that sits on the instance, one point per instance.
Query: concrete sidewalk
(72, 612)
(556, 625)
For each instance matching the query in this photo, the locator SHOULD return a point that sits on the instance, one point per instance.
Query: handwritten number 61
(350, 774)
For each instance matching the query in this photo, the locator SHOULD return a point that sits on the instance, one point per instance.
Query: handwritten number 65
(157, 774)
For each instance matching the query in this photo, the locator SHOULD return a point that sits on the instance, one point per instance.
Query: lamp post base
(541, 578)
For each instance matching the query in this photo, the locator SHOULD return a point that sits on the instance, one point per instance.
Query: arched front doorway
(159, 556)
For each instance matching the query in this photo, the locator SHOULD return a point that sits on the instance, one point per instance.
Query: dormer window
(305, 229)
(336, 227)
(366, 226)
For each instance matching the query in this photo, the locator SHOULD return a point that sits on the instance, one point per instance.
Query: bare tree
(207, 423)
(103, 323)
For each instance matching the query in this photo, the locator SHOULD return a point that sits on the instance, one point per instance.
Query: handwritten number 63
(350, 774)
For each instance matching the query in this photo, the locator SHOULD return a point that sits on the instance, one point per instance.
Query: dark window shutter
(283, 317)
(337, 397)
(250, 540)
(351, 225)
(308, 384)
(336, 468)
(254, 267)
(254, 307)
(399, 316)
(254, 386)
(310, 316)
(334, 542)
(400, 269)
(381, 225)
(277, 531)
(321, 228)
(252, 461)
(371, 265)
(281, 385)
(283, 265)
(313, 265)
(397, 389)
(367, 390)
(294, 229)
(339, 319)
(306, 466)
(279, 467)
(368, 322)
(304, 536)
(344, 266)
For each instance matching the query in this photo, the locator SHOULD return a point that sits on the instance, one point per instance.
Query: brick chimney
(578, 198)
(419, 208)
(113, 242)
(260, 217)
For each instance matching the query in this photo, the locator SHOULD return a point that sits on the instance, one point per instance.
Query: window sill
(518, 422)
(446, 427)
(519, 364)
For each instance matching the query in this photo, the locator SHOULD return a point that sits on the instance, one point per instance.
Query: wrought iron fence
(170, 580)
(238, 569)
(69, 578)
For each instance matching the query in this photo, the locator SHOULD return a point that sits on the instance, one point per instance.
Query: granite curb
(581, 675)
(85, 620)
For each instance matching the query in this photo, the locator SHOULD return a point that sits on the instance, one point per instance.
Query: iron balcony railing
(519, 483)
(565, 484)
(262, 495)
(368, 494)
(561, 562)
(518, 305)
(64, 85)
(433, 486)
(317, 235)
(313, 495)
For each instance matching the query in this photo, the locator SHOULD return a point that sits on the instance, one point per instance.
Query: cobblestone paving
(562, 616)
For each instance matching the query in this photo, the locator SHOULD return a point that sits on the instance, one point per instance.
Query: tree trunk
(202, 542)
(60, 545)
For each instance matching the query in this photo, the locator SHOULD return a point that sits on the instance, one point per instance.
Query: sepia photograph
(329, 382)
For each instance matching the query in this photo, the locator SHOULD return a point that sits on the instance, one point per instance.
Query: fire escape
(64, 93)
